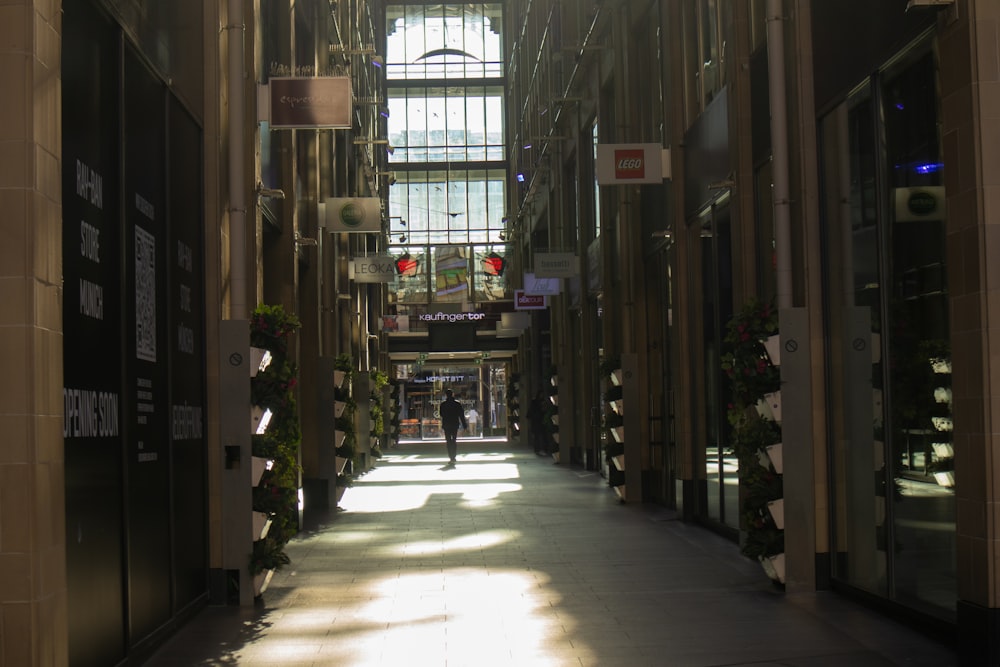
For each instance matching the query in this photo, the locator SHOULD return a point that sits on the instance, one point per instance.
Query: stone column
(32, 509)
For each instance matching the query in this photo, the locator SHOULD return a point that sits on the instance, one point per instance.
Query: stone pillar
(971, 109)
(33, 608)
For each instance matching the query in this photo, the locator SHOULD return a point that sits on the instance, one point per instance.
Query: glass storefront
(888, 355)
(480, 388)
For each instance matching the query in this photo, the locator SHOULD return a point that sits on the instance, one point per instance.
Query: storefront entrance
(478, 387)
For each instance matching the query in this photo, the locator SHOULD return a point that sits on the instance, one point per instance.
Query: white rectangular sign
(556, 265)
(372, 269)
(535, 285)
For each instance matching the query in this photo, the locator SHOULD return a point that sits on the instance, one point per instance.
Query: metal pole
(237, 190)
(779, 152)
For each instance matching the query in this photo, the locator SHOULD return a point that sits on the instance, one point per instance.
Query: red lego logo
(630, 164)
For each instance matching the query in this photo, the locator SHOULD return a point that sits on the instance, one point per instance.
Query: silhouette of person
(452, 416)
(536, 417)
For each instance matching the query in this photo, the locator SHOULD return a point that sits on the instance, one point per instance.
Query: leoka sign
(629, 163)
(373, 269)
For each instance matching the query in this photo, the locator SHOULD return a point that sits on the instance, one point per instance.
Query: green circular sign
(352, 215)
(921, 203)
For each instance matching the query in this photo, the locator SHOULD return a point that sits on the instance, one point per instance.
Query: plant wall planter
(772, 345)
(338, 438)
(777, 510)
(258, 466)
(774, 454)
(261, 524)
(338, 378)
(619, 462)
(338, 408)
(261, 581)
(945, 478)
(341, 463)
(774, 567)
(618, 433)
(616, 377)
(618, 407)
(769, 407)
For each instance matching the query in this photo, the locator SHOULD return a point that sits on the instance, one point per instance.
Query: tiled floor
(507, 559)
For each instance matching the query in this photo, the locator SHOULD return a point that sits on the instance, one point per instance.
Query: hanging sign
(629, 163)
(372, 269)
(524, 301)
(353, 214)
(310, 102)
(556, 265)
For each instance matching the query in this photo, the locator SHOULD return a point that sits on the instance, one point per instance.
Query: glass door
(721, 468)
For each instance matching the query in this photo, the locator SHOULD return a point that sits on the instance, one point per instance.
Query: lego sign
(632, 163)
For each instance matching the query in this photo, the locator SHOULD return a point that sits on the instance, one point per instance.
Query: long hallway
(507, 559)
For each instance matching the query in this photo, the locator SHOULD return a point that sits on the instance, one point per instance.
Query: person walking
(536, 418)
(452, 417)
(473, 419)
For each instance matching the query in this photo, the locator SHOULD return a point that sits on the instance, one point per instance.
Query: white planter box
(618, 433)
(616, 377)
(554, 398)
(338, 408)
(341, 462)
(555, 457)
(619, 462)
(943, 450)
(259, 419)
(774, 453)
(942, 366)
(261, 524)
(554, 380)
(338, 378)
(774, 566)
(555, 438)
(338, 438)
(772, 345)
(258, 465)
(774, 402)
(618, 406)
(260, 581)
(762, 459)
(945, 478)
(555, 419)
(777, 511)
(620, 492)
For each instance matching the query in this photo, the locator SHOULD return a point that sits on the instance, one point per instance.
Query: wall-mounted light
(273, 193)
(304, 240)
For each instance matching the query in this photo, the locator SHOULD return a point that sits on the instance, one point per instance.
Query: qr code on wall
(145, 295)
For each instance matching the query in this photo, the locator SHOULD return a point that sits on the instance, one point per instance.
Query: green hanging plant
(751, 375)
(270, 327)
(275, 388)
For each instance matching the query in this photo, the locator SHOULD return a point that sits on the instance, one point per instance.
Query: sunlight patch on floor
(375, 499)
